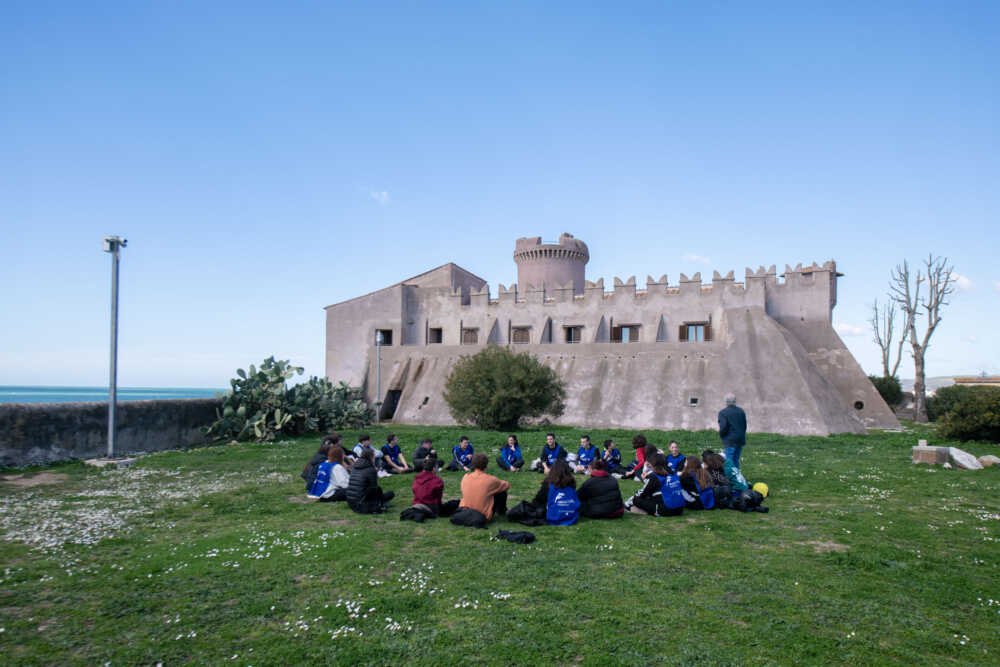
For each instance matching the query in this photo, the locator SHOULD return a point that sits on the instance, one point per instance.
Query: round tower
(551, 264)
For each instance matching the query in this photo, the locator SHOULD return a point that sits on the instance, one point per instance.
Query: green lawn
(212, 556)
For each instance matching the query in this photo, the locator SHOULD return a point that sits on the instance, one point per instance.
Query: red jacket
(428, 488)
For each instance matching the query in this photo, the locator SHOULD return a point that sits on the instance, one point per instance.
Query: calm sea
(78, 394)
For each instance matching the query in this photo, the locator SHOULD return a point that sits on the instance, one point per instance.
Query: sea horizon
(84, 394)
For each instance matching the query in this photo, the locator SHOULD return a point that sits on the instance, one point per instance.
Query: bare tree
(905, 291)
(883, 323)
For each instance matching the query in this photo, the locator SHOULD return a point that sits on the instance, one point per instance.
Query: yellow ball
(761, 488)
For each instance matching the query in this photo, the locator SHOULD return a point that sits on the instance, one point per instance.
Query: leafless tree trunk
(905, 291)
(883, 323)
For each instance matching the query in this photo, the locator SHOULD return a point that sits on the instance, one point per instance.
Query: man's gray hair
(730, 399)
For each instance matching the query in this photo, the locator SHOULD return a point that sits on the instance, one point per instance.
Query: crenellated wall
(769, 339)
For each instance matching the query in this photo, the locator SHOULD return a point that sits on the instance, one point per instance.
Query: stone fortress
(661, 357)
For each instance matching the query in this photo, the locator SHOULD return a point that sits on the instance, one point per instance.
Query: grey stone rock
(963, 459)
(989, 460)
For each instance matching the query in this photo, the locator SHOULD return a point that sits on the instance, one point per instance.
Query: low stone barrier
(39, 433)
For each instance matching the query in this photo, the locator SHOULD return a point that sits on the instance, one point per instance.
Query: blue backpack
(323, 476)
(563, 507)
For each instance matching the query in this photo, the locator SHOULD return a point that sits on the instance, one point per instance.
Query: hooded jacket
(362, 488)
(600, 496)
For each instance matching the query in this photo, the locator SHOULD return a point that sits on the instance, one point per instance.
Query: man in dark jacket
(733, 430)
(425, 449)
(600, 496)
(364, 495)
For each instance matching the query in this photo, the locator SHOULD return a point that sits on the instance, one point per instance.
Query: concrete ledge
(930, 455)
(41, 433)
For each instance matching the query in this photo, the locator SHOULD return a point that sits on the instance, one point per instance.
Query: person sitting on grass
(715, 467)
(562, 506)
(675, 460)
(510, 458)
(393, 461)
(365, 445)
(461, 456)
(364, 495)
(552, 451)
(428, 495)
(483, 495)
(699, 493)
(424, 450)
(585, 456)
(612, 458)
(600, 496)
(311, 468)
(635, 469)
(660, 494)
(332, 478)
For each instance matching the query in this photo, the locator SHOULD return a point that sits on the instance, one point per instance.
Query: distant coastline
(38, 394)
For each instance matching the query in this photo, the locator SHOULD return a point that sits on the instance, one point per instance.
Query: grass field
(213, 556)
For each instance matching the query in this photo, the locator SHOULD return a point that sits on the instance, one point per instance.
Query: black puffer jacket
(600, 497)
(363, 494)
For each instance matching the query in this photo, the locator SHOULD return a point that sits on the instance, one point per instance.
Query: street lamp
(113, 245)
(378, 374)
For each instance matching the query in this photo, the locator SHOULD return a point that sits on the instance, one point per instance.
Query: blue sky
(265, 161)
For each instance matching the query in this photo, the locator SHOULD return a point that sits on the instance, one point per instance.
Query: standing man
(733, 429)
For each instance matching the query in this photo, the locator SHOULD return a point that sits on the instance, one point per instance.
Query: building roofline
(406, 281)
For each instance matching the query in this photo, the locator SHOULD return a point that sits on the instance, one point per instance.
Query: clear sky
(265, 160)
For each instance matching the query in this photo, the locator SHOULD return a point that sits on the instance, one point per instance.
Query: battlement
(799, 277)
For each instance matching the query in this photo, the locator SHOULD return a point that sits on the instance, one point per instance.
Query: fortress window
(695, 332)
(435, 336)
(520, 335)
(470, 336)
(573, 334)
(626, 333)
(386, 337)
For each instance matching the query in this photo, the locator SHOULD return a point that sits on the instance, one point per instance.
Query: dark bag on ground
(748, 501)
(516, 536)
(527, 513)
(469, 517)
(418, 513)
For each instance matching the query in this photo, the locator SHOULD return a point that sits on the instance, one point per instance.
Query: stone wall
(39, 433)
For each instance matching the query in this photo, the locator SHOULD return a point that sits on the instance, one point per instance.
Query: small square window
(695, 332)
(693, 401)
(435, 336)
(383, 337)
(573, 334)
(470, 336)
(520, 335)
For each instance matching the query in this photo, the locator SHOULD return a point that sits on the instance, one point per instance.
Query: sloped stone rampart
(40, 433)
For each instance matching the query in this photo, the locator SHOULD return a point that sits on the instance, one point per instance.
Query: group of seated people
(671, 482)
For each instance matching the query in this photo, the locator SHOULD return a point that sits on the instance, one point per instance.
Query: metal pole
(378, 375)
(113, 244)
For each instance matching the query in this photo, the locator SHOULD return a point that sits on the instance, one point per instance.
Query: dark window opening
(573, 334)
(470, 336)
(625, 333)
(695, 332)
(520, 335)
(383, 337)
(859, 405)
(435, 336)
(388, 408)
(693, 401)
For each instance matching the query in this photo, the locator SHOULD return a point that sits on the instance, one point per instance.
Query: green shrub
(889, 389)
(496, 389)
(260, 406)
(974, 416)
(945, 399)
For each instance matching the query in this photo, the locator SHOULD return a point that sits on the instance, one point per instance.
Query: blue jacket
(323, 475)
(511, 456)
(733, 426)
(676, 463)
(463, 456)
(552, 455)
(586, 456)
(671, 492)
(613, 457)
(391, 452)
(563, 506)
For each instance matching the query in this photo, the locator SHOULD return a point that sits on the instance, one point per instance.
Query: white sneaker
(383, 473)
